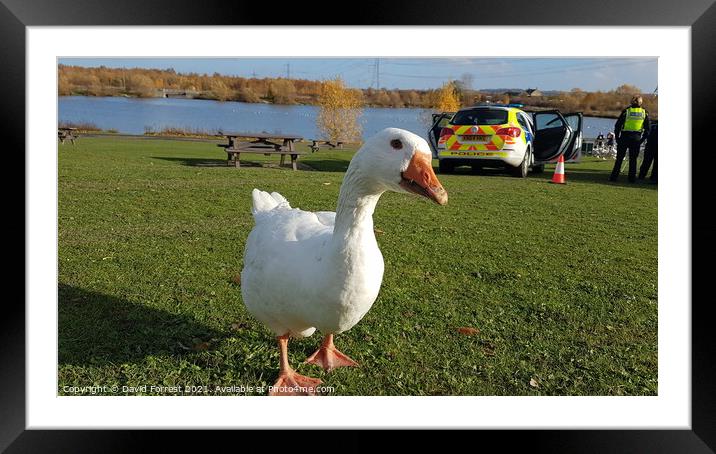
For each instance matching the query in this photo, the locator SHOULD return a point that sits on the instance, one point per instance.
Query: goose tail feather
(263, 201)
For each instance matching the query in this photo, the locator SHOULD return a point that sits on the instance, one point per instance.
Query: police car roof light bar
(497, 104)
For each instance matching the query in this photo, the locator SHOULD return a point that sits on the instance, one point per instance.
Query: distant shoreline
(167, 83)
(526, 108)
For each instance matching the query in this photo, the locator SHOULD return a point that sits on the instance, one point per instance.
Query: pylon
(558, 176)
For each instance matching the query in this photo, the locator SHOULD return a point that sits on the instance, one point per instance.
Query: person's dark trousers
(626, 142)
(646, 163)
(653, 176)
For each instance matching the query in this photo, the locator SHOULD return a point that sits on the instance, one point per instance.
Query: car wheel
(445, 167)
(521, 170)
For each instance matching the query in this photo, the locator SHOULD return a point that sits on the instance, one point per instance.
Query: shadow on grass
(97, 329)
(207, 162)
(597, 177)
(572, 174)
(327, 165)
(469, 171)
(195, 162)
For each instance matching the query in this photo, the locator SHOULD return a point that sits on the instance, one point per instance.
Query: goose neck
(356, 204)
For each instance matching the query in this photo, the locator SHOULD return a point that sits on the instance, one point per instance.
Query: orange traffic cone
(558, 176)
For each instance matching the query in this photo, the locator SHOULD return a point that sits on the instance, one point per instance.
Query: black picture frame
(16, 15)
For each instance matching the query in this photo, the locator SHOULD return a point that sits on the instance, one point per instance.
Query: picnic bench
(67, 134)
(261, 143)
(318, 144)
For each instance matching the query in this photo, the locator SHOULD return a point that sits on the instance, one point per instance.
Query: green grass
(560, 280)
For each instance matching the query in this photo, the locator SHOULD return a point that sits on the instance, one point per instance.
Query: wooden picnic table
(67, 133)
(261, 143)
(318, 144)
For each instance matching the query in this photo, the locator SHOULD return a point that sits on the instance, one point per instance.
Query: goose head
(399, 161)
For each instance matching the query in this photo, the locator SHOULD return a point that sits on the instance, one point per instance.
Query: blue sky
(589, 74)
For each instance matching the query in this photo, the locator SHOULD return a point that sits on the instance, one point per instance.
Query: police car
(498, 135)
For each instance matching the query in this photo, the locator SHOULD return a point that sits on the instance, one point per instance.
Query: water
(133, 116)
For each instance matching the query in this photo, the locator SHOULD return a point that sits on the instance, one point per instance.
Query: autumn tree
(282, 91)
(395, 99)
(446, 99)
(651, 104)
(64, 87)
(413, 98)
(220, 91)
(339, 112)
(140, 84)
(465, 82)
(464, 89)
(247, 94)
(381, 98)
(627, 89)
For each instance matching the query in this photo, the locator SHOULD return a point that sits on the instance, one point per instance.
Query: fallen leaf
(201, 346)
(466, 330)
(326, 184)
(237, 279)
(378, 231)
(534, 383)
(238, 326)
(183, 346)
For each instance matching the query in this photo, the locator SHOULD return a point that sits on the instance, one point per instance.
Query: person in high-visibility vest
(651, 150)
(631, 129)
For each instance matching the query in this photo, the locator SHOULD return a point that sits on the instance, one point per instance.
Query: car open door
(440, 120)
(552, 135)
(574, 149)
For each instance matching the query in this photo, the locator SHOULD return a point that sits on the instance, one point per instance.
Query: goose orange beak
(419, 178)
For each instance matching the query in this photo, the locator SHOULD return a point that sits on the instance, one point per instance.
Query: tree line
(139, 82)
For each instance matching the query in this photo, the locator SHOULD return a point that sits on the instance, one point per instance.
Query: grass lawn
(559, 281)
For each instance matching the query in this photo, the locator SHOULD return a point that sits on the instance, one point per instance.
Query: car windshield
(480, 117)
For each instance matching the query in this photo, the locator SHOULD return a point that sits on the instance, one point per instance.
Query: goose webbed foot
(290, 382)
(329, 357)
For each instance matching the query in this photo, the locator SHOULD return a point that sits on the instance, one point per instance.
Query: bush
(246, 94)
(220, 91)
(446, 99)
(282, 91)
(81, 126)
(340, 110)
(140, 85)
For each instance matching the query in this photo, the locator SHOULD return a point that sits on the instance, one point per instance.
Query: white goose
(305, 271)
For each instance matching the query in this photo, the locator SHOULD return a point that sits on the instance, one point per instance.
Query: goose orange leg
(329, 357)
(290, 382)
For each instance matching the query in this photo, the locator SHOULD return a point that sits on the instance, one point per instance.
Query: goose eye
(396, 143)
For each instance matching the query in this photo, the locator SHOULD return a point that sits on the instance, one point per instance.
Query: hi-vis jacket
(634, 120)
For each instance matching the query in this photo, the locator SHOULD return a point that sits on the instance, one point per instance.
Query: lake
(134, 115)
